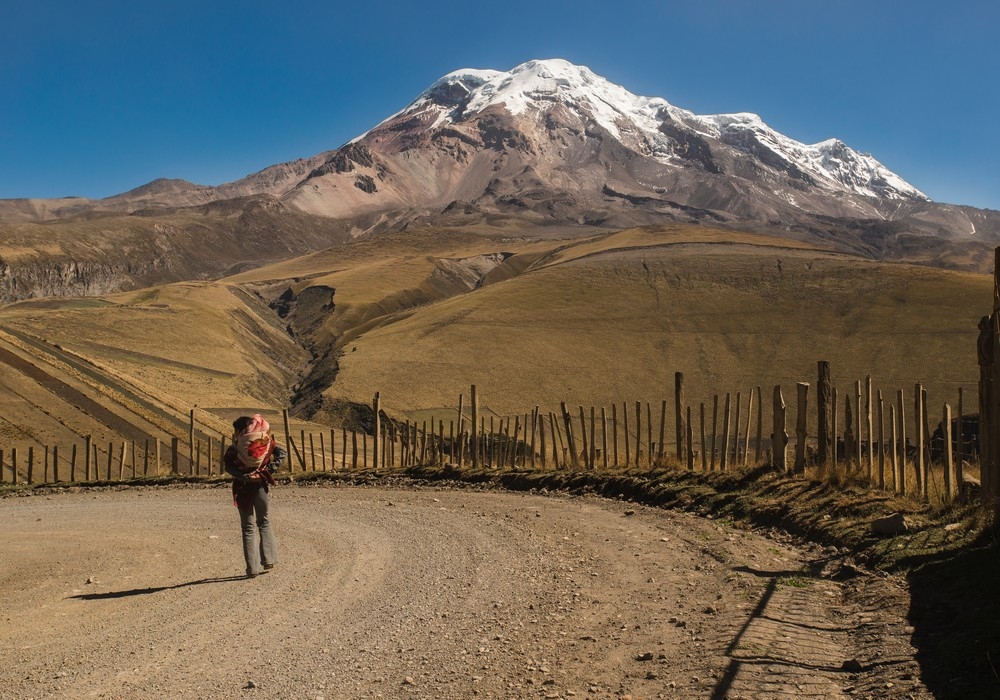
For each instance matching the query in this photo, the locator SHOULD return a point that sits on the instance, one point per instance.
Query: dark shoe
(268, 567)
(251, 575)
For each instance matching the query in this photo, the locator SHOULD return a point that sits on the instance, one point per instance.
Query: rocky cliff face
(66, 278)
(109, 253)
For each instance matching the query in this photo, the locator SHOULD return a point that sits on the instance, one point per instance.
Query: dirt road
(430, 593)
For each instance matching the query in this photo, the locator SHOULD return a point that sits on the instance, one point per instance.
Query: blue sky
(99, 97)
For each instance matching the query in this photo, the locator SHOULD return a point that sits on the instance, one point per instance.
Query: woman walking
(251, 460)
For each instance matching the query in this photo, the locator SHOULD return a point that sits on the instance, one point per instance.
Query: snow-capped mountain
(536, 88)
(552, 142)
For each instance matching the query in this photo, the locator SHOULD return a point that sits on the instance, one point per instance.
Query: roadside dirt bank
(431, 592)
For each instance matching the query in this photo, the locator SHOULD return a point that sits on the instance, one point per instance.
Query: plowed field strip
(71, 395)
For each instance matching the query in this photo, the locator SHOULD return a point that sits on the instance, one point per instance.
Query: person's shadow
(154, 589)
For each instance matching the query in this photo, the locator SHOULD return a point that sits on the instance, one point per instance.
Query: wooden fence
(884, 439)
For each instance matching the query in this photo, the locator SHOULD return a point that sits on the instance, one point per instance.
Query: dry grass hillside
(419, 316)
(612, 317)
(136, 363)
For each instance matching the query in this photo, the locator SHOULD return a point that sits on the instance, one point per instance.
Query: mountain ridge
(552, 143)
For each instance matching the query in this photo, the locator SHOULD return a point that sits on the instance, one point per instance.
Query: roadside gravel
(430, 592)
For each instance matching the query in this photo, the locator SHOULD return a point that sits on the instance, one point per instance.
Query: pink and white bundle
(254, 444)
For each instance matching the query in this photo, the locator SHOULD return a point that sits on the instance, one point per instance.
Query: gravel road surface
(425, 592)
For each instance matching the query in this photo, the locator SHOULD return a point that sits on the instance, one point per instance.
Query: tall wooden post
(988, 347)
(377, 447)
(871, 435)
(959, 466)
(746, 444)
(823, 393)
(704, 447)
(715, 425)
(834, 440)
(568, 421)
(678, 407)
(918, 424)
(638, 433)
(800, 427)
(949, 484)
(881, 440)
(88, 441)
(614, 431)
(724, 452)
(760, 427)
(689, 439)
(779, 436)
(859, 435)
(474, 400)
(901, 422)
(660, 448)
(894, 461)
(734, 456)
(191, 469)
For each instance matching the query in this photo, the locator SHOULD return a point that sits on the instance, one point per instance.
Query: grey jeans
(255, 518)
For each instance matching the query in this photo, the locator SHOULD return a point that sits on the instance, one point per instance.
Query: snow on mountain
(648, 125)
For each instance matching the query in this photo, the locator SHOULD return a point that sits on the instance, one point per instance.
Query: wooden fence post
(689, 440)
(894, 462)
(638, 433)
(649, 435)
(746, 444)
(614, 430)
(86, 457)
(871, 436)
(593, 437)
(734, 457)
(377, 432)
(901, 446)
(574, 459)
(959, 466)
(949, 484)
(760, 426)
(678, 408)
(881, 441)
(823, 392)
(800, 428)
(859, 433)
(190, 444)
(724, 452)
(779, 436)
(557, 442)
(704, 455)
(474, 400)
(174, 461)
(13, 465)
(918, 424)
(834, 439)
(31, 465)
(715, 426)
(850, 448)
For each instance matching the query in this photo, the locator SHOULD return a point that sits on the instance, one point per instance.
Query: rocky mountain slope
(547, 143)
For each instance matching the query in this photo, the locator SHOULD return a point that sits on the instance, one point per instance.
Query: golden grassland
(592, 320)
